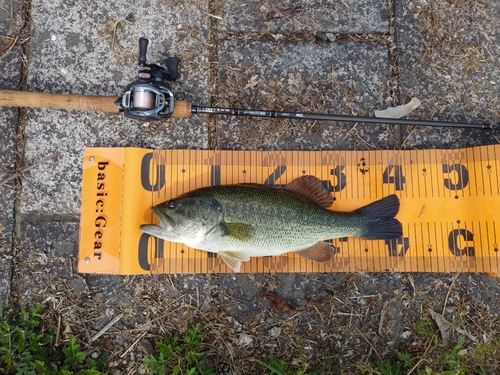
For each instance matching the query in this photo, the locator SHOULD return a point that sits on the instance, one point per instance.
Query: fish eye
(171, 204)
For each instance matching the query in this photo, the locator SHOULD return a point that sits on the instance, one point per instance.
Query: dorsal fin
(310, 188)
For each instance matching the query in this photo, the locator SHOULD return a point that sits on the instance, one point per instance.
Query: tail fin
(381, 222)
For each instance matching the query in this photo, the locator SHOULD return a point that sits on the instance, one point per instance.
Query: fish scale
(280, 221)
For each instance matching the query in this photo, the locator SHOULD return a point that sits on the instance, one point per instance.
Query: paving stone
(92, 49)
(459, 293)
(449, 60)
(46, 273)
(337, 78)
(10, 79)
(47, 259)
(246, 289)
(311, 16)
(48, 262)
(10, 18)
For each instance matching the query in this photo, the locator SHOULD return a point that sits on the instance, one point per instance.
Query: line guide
(449, 205)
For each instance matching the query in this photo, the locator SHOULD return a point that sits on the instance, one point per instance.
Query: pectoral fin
(233, 259)
(321, 252)
(239, 231)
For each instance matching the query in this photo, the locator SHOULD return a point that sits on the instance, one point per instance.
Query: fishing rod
(150, 99)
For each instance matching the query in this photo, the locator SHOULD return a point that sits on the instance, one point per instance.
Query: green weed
(425, 327)
(179, 356)
(280, 367)
(450, 362)
(25, 348)
(386, 368)
(406, 359)
(382, 368)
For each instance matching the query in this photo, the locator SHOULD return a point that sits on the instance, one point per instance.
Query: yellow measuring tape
(450, 201)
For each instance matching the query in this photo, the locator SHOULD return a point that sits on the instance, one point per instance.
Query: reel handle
(172, 65)
(143, 48)
(106, 104)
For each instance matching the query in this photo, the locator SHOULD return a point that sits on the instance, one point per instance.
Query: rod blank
(326, 117)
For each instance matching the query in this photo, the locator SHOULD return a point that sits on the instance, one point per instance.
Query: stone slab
(47, 274)
(319, 307)
(337, 78)
(10, 79)
(47, 260)
(11, 20)
(309, 16)
(92, 49)
(448, 58)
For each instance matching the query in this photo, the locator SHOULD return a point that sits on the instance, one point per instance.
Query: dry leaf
(277, 302)
(443, 325)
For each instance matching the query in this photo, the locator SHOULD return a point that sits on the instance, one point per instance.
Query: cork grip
(106, 104)
(42, 100)
(182, 108)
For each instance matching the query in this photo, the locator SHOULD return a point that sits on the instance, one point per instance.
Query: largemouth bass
(241, 221)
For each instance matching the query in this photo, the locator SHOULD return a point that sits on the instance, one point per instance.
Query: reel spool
(146, 101)
(149, 98)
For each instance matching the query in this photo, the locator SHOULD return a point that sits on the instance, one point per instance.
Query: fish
(248, 220)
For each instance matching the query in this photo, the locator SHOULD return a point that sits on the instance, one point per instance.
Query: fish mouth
(166, 222)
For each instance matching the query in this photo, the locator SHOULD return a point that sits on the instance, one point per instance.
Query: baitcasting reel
(149, 98)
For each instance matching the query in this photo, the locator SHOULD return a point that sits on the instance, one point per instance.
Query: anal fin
(233, 259)
(321, 252)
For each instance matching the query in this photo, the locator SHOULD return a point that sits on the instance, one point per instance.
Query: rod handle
(9, 98)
